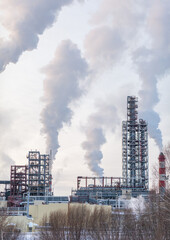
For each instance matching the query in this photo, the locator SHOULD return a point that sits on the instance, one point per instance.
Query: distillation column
(134, 148)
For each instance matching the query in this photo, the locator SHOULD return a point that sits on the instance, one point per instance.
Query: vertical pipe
(50, 184)
(102, 181)
(28, 199)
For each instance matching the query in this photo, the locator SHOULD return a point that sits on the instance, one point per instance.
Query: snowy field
(28, 236)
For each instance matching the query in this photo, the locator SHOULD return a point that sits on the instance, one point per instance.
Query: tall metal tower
(134, 148)
(39, 177)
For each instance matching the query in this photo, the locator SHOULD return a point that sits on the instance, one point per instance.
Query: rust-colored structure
(18, 185)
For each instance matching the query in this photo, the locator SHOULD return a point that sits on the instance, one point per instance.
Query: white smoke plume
(153, 63)
(64, 75)
(5, 140)
(98, 123)
(116, 24)
(141, 30)
(95, 139)
(104, 47)
(137, 205)
(23, 22)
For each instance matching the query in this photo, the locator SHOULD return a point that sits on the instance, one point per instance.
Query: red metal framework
(19, 184)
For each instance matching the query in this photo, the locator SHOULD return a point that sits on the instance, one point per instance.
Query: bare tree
(7, 230)
(54, 227)
(167, 155)
(81, 223)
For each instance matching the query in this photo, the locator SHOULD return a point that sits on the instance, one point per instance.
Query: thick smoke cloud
(5, 140)
(24, 21)
(98, 123)
(61, 86)
(116, 24)
(153, 63)
(141, 30)
(104, 47)
(93, 155)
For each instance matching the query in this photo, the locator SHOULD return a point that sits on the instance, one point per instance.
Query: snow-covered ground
(28, 236)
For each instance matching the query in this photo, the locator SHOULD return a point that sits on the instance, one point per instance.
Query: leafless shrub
(55, 227)
(81, 223)
(98, 226)
(7, 230)
(77, 221)
(167, 155)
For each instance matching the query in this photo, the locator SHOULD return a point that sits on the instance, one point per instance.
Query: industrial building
(134, 148)
(31, 184)
(134, 180)
(39, 176)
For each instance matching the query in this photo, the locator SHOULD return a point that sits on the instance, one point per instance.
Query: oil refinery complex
(31, 183)
(134, 180)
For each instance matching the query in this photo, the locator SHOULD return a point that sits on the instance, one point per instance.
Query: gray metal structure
(38, 173)
(134, 181)
(134, 148)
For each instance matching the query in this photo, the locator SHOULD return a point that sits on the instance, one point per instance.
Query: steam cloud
(95, 139)
(141, 30)
(24, 21)
(98, 123)
(61, 86)
(5, 160)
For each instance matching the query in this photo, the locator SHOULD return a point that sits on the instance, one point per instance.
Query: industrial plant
(134, 180)
(32, 183)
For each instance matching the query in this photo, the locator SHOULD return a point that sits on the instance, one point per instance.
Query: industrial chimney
(162, 173)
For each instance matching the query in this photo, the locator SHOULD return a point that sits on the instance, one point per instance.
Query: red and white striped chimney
(162, 173)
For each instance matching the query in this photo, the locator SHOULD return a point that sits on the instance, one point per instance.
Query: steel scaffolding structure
(99, 182)
(134, 148)
(18, 184)
(90, 189)
(39, 177)
(6, 192)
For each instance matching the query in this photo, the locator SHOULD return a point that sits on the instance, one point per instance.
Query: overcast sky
(66, 69)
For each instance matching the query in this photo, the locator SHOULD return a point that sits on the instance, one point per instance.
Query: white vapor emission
(93, 155)
(98, 123)
(104, 47)
(23, 22)
(64, 74)
(5, 140)
(140, 30)
(137, 205)
(153, 63)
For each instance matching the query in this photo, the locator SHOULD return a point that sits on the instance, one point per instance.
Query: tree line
(81, 223)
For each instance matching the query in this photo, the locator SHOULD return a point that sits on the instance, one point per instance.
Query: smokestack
(162, 173)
